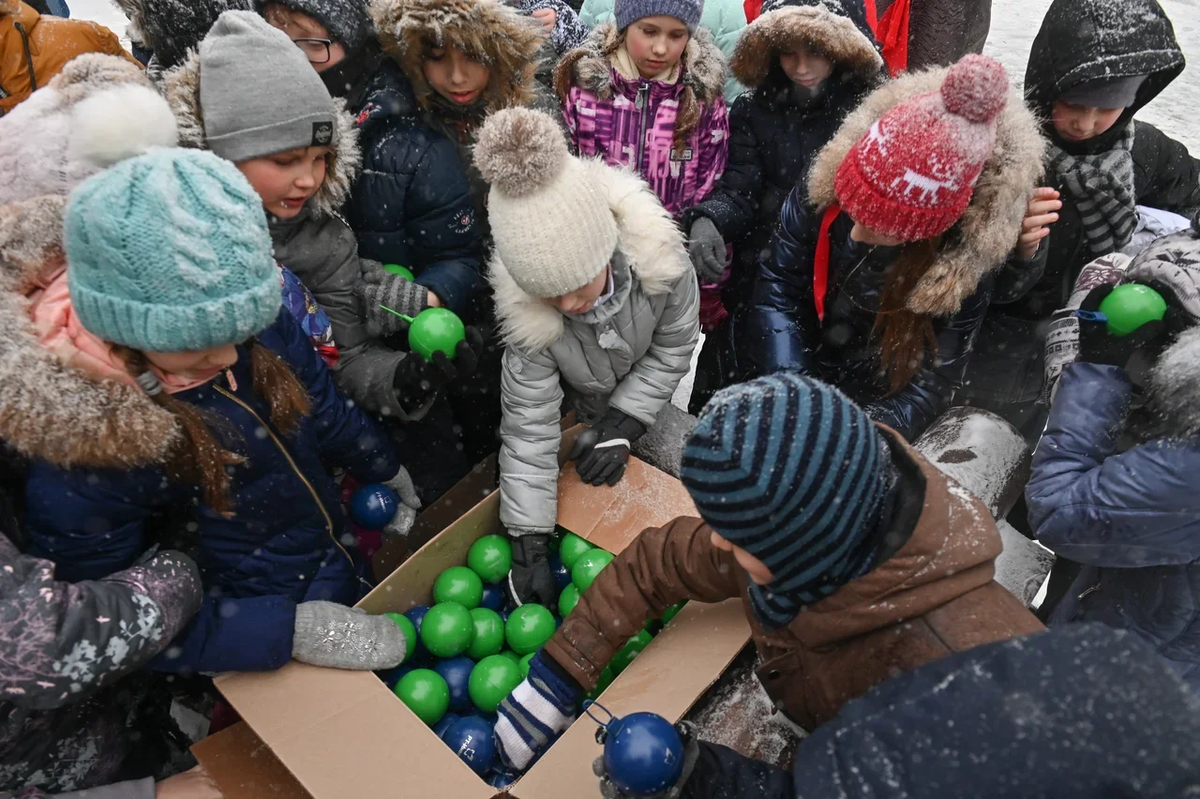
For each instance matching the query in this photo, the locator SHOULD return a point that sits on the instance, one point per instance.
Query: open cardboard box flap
(343, 733)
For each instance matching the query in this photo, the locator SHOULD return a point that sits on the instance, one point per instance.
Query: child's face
(656, 44)
(306, 32)
(805, 66)
(754, 567)
(454, 75)
(581, 300)
(1080, 123)
(198, 365)
(867, 236)
(285, 181)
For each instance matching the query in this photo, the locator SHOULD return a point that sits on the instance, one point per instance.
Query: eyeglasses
(317, 50)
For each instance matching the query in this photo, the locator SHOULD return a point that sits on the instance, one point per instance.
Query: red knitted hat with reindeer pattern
(912, 175)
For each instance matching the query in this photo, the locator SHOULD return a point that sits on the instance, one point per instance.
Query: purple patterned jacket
(631, 123)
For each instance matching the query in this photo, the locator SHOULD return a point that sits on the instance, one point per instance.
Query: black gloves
(600, 454)
(531, 579)
(417, 380)
(1097, 345)
(691, 753)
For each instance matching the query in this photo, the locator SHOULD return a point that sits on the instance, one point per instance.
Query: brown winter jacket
(933, 597)
(33, 49)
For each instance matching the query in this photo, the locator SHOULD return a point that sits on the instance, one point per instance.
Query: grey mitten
(380, 287)
(410, 503)
(337, 637)
(707, 250)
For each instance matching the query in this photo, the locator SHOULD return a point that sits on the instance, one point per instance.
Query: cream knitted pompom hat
(552, 225)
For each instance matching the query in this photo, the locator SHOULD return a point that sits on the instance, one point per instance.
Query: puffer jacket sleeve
(1097, 507)
(1017, 276)
(347, 436)
(927, 396)
(661, 567)
(734, 200)
(596, 12)
(1164, 172)
(531, 399)
(62, 640)
(781, 322)
(653, 379)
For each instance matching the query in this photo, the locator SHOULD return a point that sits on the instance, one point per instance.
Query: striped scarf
(1101, 186)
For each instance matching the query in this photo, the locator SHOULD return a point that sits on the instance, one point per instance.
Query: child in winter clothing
(600, 308)
(854, 557)
(725, 19)
(171, 29)
(1093, 66)
(170, 310)
(808, 64)
(1115, 486)
(880, 281)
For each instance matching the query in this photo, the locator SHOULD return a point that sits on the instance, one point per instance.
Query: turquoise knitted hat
(169, 252)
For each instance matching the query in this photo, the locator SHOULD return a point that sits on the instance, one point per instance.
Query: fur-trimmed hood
(1174, 389)
(987, 232)
(649, 240)
(491, 31)
(181, 86)
(826, 25)
(589, 66)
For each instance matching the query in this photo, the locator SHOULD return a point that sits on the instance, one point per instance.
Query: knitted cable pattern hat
(553, 229)
(912, 175)
(792, 471)
(346, 20)
(169, 252)
(686, 11)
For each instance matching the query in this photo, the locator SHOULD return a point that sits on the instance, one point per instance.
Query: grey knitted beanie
(258, 93)
(686, 11)
(346, 20)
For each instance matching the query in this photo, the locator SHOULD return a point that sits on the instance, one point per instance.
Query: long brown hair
(906, 337)
(200, 458)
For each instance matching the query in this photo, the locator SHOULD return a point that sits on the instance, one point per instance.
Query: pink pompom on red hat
(912, 175)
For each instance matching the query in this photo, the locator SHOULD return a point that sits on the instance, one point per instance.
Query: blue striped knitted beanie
(169, 252)
(792, 471)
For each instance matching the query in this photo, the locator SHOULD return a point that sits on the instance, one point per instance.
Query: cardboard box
(344, 734)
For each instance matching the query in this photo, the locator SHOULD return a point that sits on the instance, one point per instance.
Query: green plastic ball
(670, 612)
(402, 271)
(436, 330)
(571, 549)
(493, 679)
(511, 655)
(447, 629)
(588, 566)
(625, 655)
(425, 693)
(606, 678)
(459, 584)
(1130, 306)
(491, 558)
(410, 633)
(524, 664)
(567, 600)
(489, 634)
(529, 626)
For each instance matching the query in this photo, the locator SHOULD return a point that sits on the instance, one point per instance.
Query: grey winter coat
(630, 352)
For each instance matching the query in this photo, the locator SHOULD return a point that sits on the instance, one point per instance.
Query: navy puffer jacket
(284, 543)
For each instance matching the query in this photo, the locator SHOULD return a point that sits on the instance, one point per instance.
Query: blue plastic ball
(493, 597)
(456, 672)
(562, 575)
(416, 615)
(471, 739)
(643, 754)
(392, 676)
(373, 506)
(446, 723)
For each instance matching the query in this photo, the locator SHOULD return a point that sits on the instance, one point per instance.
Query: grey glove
(691, 753)
(381, 287)
(707, 250)
(337, 637)
(410, 503)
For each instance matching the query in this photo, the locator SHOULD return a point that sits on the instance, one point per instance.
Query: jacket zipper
(641, 104)
(28, 55)
(295, 468)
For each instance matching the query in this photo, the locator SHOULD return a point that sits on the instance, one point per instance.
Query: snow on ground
(104, 12)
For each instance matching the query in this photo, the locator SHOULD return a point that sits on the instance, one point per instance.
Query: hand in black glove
(691, 753)
(1097, 345)
(531, 579)
(417, 380)
(600, 454)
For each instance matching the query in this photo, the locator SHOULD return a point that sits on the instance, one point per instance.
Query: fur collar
(1174, 390)
(989, 227)
(837, 36)
(181, 86)
(589, 68)
(47, 410)
(491, 30)
(649, 239)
